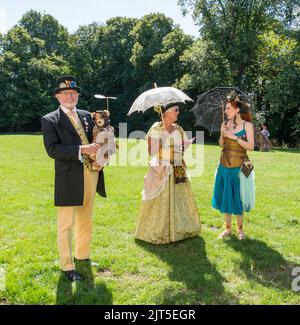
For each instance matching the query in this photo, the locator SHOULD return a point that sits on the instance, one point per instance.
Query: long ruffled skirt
(234, 193)
(170, 217)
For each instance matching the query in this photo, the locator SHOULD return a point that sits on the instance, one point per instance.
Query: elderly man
(67, 133)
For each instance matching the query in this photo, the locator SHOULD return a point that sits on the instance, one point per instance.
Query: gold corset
(233, 154)
(175, 157)
(166, 153)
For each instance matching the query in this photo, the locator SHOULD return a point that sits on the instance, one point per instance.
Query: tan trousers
(79, 217)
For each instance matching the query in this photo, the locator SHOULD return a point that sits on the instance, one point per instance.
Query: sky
(72, 14)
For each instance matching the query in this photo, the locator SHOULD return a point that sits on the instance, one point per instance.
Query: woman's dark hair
(243, 106)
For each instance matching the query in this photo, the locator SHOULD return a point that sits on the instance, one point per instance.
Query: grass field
(202, 270)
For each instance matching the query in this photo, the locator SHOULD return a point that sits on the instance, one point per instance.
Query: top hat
(66, 83)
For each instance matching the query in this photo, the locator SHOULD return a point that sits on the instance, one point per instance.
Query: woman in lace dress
(168, 211)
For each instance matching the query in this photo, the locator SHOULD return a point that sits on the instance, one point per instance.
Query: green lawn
(202, 270)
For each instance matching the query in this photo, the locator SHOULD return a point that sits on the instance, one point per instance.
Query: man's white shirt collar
(65, 110)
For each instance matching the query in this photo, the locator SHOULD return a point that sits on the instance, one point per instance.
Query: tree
(278, 85)
(148, 35)
(121, 58)
(47, 28)
(166, 65)
(205, 67)
(124, 58)
(101, 60)
(158, 45)
(235, 26)
(259, 54)
(27, 75)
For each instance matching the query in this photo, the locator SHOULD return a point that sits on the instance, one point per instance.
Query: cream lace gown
(168, 211)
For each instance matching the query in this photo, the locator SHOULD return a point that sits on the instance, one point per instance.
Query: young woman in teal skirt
(234, 192)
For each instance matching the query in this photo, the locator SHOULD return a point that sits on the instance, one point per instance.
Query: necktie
(74, 116)
(77, 125)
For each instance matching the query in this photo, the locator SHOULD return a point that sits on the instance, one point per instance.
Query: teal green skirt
(234, 193)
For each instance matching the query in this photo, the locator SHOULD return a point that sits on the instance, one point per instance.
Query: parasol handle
(159, 110)
(162, 118)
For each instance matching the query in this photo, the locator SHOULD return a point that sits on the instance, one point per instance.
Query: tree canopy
(253, 45)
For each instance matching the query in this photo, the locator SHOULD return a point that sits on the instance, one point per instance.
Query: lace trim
(157, 193)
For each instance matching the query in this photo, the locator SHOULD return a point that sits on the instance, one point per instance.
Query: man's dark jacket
(62, 144)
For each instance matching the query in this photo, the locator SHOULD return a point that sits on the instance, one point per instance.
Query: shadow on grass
(86, 292)
(190, 265)
(263, 264)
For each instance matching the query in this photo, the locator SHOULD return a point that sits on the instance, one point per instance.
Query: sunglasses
(173, 110)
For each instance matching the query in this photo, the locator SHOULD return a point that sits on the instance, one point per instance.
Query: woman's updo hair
(241, 104)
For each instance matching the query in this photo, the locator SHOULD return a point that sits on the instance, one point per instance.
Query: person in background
(265, 133)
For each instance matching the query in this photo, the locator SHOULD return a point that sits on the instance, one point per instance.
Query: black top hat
(66, 83)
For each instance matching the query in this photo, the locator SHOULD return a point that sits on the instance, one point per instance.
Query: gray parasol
(209, 107)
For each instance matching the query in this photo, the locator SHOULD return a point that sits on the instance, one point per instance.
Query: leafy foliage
(250, 44)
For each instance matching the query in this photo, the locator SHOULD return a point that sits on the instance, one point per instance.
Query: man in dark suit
(67, 134)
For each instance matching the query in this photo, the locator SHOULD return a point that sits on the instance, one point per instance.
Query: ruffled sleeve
(155, 131)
